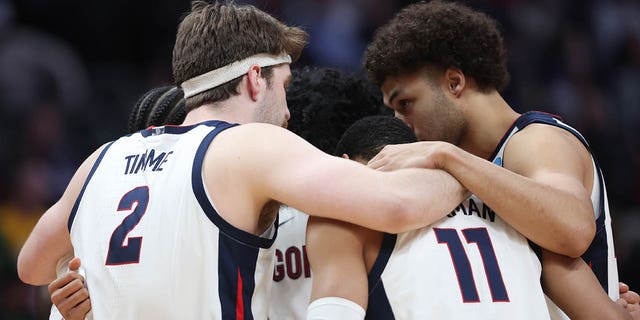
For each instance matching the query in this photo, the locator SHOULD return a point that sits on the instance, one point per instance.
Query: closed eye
(403, 105)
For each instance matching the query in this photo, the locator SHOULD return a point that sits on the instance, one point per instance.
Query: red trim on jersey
(239, 301)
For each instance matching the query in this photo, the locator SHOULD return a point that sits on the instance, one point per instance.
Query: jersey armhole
(72, 215)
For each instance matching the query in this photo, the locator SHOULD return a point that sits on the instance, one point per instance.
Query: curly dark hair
(324, 102)
(442, 35)
(157, 107)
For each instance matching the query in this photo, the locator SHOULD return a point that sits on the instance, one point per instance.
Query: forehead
(397, 84)
(403, 79)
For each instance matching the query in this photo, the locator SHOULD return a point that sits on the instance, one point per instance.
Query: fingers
(69, 294)
(374, 163)
(74, 264)
(64, 280)
(621, 302)
(379, 162)
(62, 293)
(74, 300)
(78, 312)
(631, 297)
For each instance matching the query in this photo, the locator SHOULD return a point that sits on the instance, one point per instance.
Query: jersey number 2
(460, 260)
(119, 253)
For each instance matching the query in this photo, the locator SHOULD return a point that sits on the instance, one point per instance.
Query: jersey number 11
(460, 260)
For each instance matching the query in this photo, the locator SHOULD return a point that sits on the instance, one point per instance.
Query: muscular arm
(336, 255)
(541, 191)
(571, 284)
(280, 166)
(49, 240)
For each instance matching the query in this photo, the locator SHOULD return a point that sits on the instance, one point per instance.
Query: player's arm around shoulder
(336, 254)
(275, 164)
(562, 170)
(541, 190)
(49, 240)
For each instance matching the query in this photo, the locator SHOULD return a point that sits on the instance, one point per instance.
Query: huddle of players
(471, 239)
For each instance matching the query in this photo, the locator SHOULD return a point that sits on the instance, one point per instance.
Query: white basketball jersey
(151, 242)
(469, 265)
(292, 274)
(600, 255)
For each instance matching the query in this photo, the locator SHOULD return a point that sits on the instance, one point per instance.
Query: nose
(287, 114)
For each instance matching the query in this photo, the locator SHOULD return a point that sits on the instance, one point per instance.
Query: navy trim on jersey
(84, 187)
(199, 190)
(503, 140)
(171, 129)
(236, 270)
(596, 255)
(378, 306)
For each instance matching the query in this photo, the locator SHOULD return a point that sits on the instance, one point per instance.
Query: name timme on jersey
(151, 242)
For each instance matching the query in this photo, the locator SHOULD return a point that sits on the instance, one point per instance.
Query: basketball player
(292, 274)
(323, 102)
(432, 273)
(534, 171)
(157, 107)
(207, 192)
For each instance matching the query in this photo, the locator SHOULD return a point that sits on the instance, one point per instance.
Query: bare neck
(488, 118)
(236, 109)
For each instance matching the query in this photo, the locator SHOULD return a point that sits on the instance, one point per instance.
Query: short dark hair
(157, 107)
(367, 136)
(442, 35)
(324, 102)
(214, 35)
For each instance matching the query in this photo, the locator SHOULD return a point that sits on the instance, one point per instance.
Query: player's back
(152, 244)
(470, 264)
(292, 273)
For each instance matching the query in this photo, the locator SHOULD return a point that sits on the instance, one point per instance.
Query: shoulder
(259, 144)
(539, 137)
(267, 133)
(542, 145)
(255, 135)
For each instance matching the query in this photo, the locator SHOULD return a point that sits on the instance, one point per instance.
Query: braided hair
(157, 107)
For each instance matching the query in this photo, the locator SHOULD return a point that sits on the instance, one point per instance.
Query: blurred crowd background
(70, 70)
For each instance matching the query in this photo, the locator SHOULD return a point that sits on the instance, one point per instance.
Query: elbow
(27, 274)
(580, 239)
(403, 217)
(24, 273)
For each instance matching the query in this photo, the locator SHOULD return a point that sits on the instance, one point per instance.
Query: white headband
(229, 72)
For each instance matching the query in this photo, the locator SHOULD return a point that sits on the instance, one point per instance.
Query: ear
(254, 81)
(346, 156)
(454, 81)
